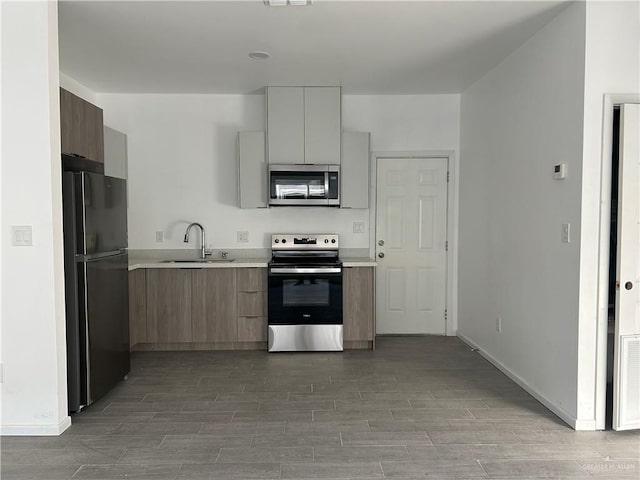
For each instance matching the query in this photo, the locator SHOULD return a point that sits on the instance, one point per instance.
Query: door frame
(610, 101)
(451, 289)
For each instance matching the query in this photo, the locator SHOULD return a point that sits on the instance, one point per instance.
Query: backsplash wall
(182, 162)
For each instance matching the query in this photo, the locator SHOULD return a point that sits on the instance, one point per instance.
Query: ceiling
(383, 47)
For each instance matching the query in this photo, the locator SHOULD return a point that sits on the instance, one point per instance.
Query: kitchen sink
(201, 260)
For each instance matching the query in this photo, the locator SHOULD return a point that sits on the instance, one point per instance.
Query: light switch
(358, 227)
(566, 233)
(21, 235)
(560, 171)
(159, 236)
(243, 237)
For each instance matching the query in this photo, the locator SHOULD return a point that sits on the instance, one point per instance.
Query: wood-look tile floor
(416, 408)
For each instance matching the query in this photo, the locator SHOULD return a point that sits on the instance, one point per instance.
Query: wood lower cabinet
(214, 306)
(359, 307)
(137, 307)
(226, 308)
(81, 127)
(168, 305)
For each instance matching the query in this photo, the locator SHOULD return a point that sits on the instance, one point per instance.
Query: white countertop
(358, 262)
(236, 263)
(257, 262)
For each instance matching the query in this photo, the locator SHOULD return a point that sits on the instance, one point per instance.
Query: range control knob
(333, 240)
(326, 240)
(284, 240)
(277, 241)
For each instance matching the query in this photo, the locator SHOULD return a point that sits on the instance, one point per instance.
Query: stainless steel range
(305, 293)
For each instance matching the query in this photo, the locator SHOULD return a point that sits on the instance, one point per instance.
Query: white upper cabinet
(115, 153)
(252, 170)
(285, 124)
(354, 190)
(304, 125)
(322, 125)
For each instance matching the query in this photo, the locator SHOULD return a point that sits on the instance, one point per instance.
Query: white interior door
(626, 373)
(411, 235)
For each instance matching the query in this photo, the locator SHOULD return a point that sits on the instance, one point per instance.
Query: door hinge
(447, 176)
(446, 246)
(445, 313)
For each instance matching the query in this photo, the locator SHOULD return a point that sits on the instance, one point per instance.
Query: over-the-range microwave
(304, 185)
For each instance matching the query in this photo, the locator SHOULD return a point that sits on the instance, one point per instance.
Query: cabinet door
(93, 131)
(115, 153)
(252, 170)
(285, 124)
(137, 307)
(68, 120)
(358, 291)
(81, 127)
(214, 303)
(322, 125)
(168, 305)
(354, 173)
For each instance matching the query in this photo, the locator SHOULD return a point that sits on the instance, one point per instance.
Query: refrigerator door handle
(85, 326)
(98, 256)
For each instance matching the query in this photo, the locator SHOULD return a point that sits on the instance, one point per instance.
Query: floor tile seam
(76, 471)
(121, 456)
(482, 468)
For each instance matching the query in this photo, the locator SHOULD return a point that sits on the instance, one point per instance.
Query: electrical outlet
(21, 235)
(566, 233)
(498, 324)
(243, 237)
(159, 236)
(358, 227)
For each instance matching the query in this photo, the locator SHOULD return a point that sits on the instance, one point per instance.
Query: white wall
(612, 66)
(183, 167)
(34, 390)
(405, 122)
(518, 121)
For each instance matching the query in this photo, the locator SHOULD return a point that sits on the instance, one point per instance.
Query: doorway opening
(613, 251)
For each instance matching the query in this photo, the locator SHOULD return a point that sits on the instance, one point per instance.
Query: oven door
(305, 295)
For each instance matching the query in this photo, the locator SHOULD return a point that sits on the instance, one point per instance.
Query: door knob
(628, 285)
(381, 242)
(381, 255)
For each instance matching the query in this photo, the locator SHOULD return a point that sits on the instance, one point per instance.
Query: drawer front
(252, 329)
(252, 279)
(252, 304)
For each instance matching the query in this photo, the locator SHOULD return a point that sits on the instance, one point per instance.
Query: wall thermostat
(560, 171)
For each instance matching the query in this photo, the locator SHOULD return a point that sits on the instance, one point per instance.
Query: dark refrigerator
(96, 284)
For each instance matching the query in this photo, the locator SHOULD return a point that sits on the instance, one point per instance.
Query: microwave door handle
(326, 185)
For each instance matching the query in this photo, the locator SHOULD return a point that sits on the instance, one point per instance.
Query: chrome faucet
(203, 251)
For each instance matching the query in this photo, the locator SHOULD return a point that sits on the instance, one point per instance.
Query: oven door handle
(301, 270)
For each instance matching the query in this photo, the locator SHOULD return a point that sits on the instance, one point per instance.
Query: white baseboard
(559, 411)
(36, 430)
